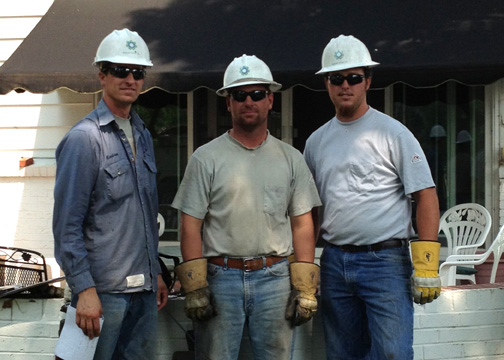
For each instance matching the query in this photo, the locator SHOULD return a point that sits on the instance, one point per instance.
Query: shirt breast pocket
(275, 200)
(119, 180)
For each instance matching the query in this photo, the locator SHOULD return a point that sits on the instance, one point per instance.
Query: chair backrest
(463, 225)
(21, 267)
(497, 248)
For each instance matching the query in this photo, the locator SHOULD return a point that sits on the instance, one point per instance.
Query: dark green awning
(422, 43)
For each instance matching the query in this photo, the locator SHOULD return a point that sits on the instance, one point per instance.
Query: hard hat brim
(122, 60)
(346, 66)
(273, 85)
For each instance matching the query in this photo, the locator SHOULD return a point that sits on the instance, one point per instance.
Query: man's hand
(302, 303)
(425, 282)
(199, 303)
(89, 312)
(162, 293)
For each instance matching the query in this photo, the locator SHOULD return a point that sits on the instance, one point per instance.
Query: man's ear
(368, 83)
(101, 76)
(326, 83)
(228, 102)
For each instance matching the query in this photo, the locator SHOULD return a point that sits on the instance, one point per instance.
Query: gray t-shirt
(246, 196)
(125, 125)
(365, 171)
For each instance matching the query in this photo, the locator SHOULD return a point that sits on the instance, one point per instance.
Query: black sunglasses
(256, 95)
(352, 79)
(123, 72)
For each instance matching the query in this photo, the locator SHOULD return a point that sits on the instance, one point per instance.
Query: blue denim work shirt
(106, 206)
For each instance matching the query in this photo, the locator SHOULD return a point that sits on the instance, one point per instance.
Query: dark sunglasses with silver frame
(352, 79)
(122, 72)
(255, 95)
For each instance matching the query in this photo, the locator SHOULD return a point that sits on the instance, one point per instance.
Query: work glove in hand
(199, 302)
(425, 282)
(302, 303)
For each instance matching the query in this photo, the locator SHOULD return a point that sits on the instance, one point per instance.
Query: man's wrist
(87, 291)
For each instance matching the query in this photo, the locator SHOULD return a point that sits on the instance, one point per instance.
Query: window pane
(448, 121)
(165, 115)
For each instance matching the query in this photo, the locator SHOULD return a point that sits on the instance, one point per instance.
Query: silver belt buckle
(245, 267)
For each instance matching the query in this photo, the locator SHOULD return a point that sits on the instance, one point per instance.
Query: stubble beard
(347, 111)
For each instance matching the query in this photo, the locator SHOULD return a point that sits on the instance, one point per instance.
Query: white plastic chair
(447, 270)
(466, 227)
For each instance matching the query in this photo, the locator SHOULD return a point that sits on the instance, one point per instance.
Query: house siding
(31, 126)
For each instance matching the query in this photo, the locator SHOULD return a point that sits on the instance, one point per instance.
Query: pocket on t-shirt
(275, 199)
(362, 177)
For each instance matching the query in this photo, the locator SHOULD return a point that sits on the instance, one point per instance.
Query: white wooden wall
(31, 125)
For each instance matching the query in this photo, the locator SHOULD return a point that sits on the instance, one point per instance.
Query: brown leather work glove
(199, 301)
(302, 303)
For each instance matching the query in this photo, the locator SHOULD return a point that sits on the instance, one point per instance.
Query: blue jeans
(256, 299)
(367, 304)
(129, 328)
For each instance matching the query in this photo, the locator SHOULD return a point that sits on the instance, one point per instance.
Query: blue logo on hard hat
(131, 45)
(244, 70)
(338, 54)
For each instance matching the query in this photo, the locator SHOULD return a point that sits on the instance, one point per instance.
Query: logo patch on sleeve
(416, 158)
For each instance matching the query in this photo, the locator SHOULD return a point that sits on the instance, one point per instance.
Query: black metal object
(23, 273)
(168, 277)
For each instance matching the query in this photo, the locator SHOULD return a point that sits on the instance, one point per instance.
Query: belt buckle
(245, 266)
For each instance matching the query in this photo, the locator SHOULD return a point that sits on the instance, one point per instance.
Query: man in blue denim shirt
(105, 212)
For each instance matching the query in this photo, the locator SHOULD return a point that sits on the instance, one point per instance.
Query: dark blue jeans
(129, 328)
(367, 306)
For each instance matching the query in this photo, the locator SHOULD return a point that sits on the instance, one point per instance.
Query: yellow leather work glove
(302, 303)
(425, 282)
(199, 302)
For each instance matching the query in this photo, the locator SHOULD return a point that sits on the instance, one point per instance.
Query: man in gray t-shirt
(246, 201)
(368, 167)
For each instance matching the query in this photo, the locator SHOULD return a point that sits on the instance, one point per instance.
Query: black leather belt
(387, 244)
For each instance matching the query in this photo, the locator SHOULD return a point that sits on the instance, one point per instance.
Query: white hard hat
(345, 52)
(123, 47)
(247, 70)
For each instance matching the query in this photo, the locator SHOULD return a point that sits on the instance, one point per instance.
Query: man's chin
(129, 98)
(346, 111)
